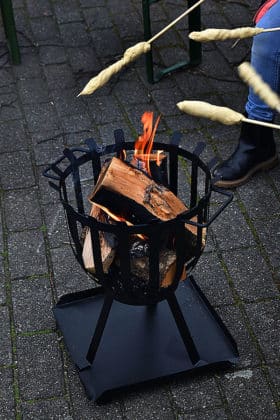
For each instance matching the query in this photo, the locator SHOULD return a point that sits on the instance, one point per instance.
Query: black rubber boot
(255, 151)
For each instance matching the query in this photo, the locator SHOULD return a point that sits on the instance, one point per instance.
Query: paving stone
(86, 409)
(259, 198)
(53, 409)
(56, 225)
(248, 395)
(33, 91)
(26, 253)
(9, 107)
(40, 371)
(269, 232)
(265, 320)
(22, 209)
(68, 275)
(13, 136)
(212, 280)
(106, 110)
(97, 17)
(74, 34)
(153, 403)
(259, 282)
(67, 103)
(38, 8)
(2, 288)
(78, 122)
(236, 325)
(41, 117)
(6, 394)
(274, 373)
(195, 392)
(83, 60)
(216, 414)
(16, 168)
(59, 76)
(45, 29)
(49, 149)
(106, 43)
(32, 304)
(52, 54)
(67, 11)
(237, 232)
(165, 105)
(107, 132)
(30, 65)
(48, 194)
(6, 345)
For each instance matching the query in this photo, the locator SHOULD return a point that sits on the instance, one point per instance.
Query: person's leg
(265, 59)
(256, 148)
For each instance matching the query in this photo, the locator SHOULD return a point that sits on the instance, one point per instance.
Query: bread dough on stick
(219, 113)
(131, 54)
(202, 109)
(212, 34)
(262, 89)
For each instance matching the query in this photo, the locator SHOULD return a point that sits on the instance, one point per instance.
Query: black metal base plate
(141, 343)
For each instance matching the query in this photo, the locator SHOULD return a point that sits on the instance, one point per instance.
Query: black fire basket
(129, 330)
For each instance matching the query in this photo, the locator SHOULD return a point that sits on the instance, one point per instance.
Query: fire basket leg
(108, 300)
(183, 328)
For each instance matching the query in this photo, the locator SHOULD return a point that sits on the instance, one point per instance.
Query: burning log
(107, 243)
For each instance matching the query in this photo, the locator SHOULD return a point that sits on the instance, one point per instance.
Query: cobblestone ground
(63, 44)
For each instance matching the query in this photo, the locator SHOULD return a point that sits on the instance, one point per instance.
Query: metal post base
(139, 344)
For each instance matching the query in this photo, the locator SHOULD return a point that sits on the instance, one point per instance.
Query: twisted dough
(105, 75)
(215, 113)
(262, 89)
(213, 34)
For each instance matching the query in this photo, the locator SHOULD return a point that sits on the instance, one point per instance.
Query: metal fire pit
(126, 330)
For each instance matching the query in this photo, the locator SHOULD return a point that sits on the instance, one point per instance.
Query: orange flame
(144, 143)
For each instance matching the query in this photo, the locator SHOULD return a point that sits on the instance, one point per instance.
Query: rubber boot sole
(263, 166)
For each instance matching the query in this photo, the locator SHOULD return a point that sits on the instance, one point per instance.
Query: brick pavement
(63, 43)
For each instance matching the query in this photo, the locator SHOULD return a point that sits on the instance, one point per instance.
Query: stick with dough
(213, 34)
(221, 114)
(130, 55)
(262, 89)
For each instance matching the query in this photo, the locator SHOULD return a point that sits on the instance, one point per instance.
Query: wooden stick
(262, 89)
(221, 114)
(156, 36)
(271, 30)
(131, 54)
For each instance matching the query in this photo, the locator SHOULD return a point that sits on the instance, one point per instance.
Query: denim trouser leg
(265, 59)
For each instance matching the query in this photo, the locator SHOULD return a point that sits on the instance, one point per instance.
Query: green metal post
(10, 29)
(195, 54)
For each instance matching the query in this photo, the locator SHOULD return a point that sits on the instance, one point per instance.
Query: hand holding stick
(213, 34)
(221, 114)
(262, 89)
(131, 54)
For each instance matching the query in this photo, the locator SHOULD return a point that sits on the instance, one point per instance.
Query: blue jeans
(265, 59)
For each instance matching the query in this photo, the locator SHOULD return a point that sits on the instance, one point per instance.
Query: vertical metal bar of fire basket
(173, 162)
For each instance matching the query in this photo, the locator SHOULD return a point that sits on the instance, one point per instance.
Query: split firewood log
(129, 193)
(107, 240)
